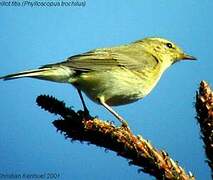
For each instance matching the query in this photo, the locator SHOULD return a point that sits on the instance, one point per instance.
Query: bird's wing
(108, 58)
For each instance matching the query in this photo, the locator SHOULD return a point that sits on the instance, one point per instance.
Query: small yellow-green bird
(113, 76)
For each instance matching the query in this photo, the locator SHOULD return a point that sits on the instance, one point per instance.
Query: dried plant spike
(204, 108)
(138, 151)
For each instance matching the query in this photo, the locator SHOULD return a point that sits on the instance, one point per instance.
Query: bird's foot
(125, 125)
(86, 114)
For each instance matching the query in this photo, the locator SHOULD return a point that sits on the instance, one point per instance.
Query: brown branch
(204, 107)
(137, 150)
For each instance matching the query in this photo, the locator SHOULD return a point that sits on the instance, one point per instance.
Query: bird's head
(165, 50)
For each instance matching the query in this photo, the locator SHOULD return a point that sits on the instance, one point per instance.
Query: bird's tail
(57, 74)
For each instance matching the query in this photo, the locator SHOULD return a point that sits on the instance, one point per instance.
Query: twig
(204, 107)
(137, 150)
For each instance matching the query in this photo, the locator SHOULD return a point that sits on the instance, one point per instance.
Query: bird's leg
(124, 123)
(86, 111)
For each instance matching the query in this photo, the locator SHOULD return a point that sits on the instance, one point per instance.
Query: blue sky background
(30, 37)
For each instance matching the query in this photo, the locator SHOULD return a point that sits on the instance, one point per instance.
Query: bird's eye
(169, 45)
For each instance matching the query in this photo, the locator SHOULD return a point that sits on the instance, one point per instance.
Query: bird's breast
(118, 86)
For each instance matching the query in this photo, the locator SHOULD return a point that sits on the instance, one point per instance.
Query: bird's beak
(188, 57)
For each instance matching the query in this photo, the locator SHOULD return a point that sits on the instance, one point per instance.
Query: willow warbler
(113, 76)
